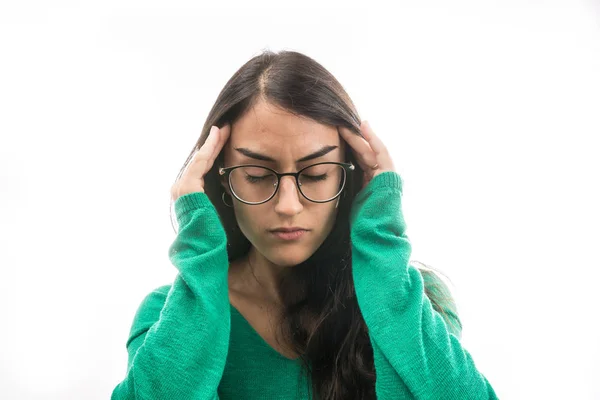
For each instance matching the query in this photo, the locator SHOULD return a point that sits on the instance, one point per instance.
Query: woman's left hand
(369, 151)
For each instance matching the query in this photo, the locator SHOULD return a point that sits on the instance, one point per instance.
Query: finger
(198, 164)
(223, 137)
(373, 140)
(361, 148)
(355, 141)
(224, 134)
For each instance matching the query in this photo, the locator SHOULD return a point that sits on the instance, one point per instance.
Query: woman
(294, 275)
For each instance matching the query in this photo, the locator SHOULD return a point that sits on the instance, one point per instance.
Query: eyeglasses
(255, 184)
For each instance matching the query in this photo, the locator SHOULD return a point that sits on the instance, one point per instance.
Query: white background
(490, 109)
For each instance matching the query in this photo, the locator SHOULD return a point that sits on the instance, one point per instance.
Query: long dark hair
(321, 319)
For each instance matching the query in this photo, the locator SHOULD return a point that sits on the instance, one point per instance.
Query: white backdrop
(491, 112)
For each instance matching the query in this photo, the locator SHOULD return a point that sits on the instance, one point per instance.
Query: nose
(287, 197)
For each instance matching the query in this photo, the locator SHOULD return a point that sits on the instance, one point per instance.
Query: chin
(283, 258)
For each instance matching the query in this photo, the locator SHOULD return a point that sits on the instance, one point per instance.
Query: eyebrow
(257, 156)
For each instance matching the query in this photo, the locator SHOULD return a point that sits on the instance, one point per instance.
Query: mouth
(289, 234)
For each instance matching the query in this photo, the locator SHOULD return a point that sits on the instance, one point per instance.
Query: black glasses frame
(227, 172)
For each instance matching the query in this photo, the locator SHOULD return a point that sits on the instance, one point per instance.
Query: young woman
(295, 279)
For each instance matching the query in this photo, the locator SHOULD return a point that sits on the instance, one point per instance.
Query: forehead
(270, 129)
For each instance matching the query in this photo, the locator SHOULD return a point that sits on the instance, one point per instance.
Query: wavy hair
(321, 320)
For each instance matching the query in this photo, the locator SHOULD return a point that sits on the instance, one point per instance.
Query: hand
(192, 179)
(370, 152)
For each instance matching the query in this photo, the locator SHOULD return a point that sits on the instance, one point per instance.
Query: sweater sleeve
(179, 338)
(416, 353)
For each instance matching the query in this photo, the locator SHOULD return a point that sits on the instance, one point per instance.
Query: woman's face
(269, 131)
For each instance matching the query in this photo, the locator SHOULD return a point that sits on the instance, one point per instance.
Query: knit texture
(188, 342)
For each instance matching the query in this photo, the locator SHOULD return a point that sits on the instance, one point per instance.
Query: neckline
(263, 342)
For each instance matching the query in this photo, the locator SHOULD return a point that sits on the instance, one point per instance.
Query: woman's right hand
(192, 179)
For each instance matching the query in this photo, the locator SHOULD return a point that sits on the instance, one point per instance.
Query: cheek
(249, 220)
(329, 218)
(320, 219)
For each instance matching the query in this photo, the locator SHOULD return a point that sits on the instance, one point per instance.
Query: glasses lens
(322, 182)
(253, 184)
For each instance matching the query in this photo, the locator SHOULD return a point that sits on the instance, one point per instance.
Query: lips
(290, 234)
(287, 230)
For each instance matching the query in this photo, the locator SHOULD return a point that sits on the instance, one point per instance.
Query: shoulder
(440, 296)
(148, 311)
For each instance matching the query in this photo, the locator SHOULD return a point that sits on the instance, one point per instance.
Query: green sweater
(188, 342)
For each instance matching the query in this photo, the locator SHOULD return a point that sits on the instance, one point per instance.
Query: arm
(415, 352)
(179, 338)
